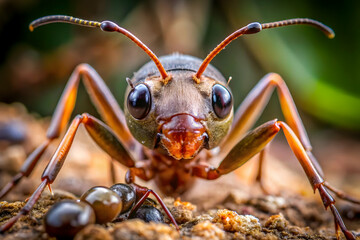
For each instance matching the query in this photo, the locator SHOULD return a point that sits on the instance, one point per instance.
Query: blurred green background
(322, 74)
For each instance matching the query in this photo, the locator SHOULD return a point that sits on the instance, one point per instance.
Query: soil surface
(228, 208)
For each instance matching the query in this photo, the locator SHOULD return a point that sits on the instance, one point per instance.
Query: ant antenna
(255, 28)
(106, 26)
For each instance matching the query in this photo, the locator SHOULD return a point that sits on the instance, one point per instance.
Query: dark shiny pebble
(105, 202)
(13, 132)
(149, 214)
(127, 195)
(66, 218)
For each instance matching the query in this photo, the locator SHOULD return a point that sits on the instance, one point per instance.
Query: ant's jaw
(183, 136)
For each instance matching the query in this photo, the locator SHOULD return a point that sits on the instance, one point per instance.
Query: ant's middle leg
(100, 133)
(260, 171)
(103, 100)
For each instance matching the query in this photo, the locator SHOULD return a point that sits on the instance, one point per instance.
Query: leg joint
(326, 198)
(84, 117)
(83, 67)
(275, 79)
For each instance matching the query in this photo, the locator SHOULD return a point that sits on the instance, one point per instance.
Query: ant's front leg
(103, 100)
(254, 142)
(100, 133)
(254, 104)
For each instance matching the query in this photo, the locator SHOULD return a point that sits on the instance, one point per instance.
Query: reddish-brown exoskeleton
(177, 109)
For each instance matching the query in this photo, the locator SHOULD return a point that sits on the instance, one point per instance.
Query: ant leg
(26, 169)
(311, 173)
(27, 208)
(103, 100)
(161, 202)
(206, 171)
(100, 133)
(254, 142)
(143, 172)
(101, 97)
(254, 104)
(143, 192)
(112, 171)
(341, 194)
(259, 179)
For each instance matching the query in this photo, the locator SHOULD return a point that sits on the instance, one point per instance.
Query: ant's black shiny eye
(139, 101)
(221, 100)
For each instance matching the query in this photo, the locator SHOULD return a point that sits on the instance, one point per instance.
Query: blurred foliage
(322, 74)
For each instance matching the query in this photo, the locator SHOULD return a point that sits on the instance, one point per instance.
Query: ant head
(181, 117)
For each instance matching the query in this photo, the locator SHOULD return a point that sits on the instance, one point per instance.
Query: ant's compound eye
(221, 100)
(139, 101)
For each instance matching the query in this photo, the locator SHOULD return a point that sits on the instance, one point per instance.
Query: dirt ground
(232, 207)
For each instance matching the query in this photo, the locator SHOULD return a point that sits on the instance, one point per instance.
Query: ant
(177, 109)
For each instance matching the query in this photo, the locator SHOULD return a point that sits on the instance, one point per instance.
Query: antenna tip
(331, 35)
(31, 27)
(254, 27)
(108, 26)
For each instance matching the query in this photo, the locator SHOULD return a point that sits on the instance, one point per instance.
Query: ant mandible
(177, 109)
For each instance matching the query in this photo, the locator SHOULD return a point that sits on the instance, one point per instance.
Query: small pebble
(276, 222)
(66, 218)
(233, 222)
(149, 213)
(208, 230)
(127, 195)
(94, 232)
(105, 202)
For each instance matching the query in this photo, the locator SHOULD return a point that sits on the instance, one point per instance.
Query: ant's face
(180, 117)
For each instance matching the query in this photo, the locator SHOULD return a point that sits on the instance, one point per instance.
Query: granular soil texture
(236, 217)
